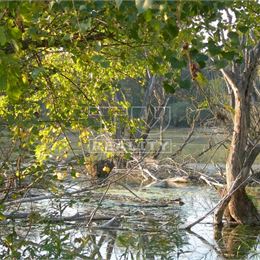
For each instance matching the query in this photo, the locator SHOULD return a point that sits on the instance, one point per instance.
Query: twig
(154, 205)
(220, 143)
(187, 140)
(99, 204)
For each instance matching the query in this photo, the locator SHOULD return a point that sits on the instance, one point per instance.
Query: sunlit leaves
(201, 80)
(61, 57)
(2, 216)
(203, 105)
(61, 175)
(41, 153)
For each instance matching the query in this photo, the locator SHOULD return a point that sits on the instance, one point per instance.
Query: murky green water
(144, 232)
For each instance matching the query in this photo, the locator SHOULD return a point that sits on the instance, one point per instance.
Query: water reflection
(61, 242)
(144, 233)
(238, 242)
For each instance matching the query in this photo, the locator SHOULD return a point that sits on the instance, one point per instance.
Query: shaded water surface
(139, 232)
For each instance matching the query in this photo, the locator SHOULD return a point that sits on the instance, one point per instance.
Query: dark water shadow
(238, 242)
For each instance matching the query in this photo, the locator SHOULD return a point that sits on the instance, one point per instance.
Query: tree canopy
(60, 59)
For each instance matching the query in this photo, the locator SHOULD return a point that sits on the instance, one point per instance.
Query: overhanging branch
(252, 155)
(230, 78)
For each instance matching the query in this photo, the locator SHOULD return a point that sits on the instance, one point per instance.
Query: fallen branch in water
(211, 181)
(69, 194)
(53, 219)
(152, 205)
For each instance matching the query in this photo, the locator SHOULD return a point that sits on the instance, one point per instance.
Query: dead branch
(187, 140)
(53, 219)
(98, 206)
(210, 181)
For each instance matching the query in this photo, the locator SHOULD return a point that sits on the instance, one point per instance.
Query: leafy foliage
(59, 59)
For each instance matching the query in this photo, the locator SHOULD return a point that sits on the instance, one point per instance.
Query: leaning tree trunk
(240, 208)
(242, 153)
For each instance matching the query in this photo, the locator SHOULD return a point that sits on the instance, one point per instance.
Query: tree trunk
(243, 151)
(239, 208)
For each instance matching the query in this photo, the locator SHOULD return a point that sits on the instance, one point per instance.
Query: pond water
(142, 231)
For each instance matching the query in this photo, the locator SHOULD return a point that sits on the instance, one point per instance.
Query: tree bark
(239, 207)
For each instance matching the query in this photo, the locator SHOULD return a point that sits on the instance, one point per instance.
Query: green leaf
(201, 59)
(105, 64)
(242, 28)
(177, 64)
(234, 37)
(97, 58)
(148, 16)
(186, 84)
(169, 88)
(3, 80)
(83, 27)
(2, 216)
(38, 72)
(14, 91)
(221, 63)
(2, 36)
(170, 32)
(202, 81)
(213, 48)
(229, 55)
(101, 60)
(173, 30)
(203, 105)
(16, 33)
